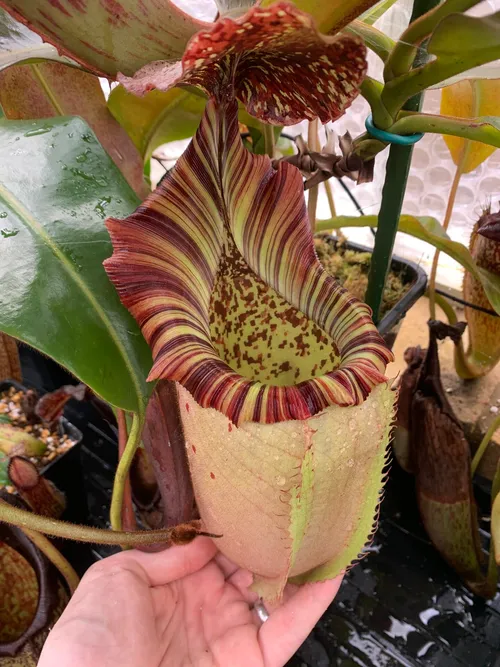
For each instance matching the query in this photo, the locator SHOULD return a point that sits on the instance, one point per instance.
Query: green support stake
(396, 175)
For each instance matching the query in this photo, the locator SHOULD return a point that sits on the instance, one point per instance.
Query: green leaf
(19, 44)
(371, 15)
(158, 117)
(375, 39)
(428, 229)
(479, 38)
(110, 37)
(331, 16)
(44, 90)
(56, 187)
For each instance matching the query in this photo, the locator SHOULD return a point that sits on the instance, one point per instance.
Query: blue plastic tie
(389, 137)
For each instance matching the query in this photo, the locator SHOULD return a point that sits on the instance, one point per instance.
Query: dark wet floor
(402, 605)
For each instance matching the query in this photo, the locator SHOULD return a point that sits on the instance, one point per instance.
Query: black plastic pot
(65, 471)
(411, 274)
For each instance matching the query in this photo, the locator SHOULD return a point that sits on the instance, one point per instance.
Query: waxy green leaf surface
(44, 90)
(56, 187)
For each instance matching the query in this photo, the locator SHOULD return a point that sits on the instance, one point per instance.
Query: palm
(187, 606)
(205, 617)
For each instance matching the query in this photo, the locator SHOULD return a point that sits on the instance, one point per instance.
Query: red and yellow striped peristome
(218, 268)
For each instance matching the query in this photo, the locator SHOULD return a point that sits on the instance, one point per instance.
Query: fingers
(288, 626)
(227, 566)
(157, 569)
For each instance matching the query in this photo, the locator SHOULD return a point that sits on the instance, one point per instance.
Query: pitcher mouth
(230, 294)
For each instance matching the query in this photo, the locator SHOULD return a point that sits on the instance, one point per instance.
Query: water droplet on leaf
(100, 207)
(35, 132)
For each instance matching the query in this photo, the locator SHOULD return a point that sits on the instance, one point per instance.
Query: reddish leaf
(108, 36)
(50, 407)
(280, 66)
(414, 357)
(10, 366)
(45, 90)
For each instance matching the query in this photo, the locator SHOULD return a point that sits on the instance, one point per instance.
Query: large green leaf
(20, 44)
(56, 187)
(459, 43)
(46, 89)
(428, 229)
(110, 36)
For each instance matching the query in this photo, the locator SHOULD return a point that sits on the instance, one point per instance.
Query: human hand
(188, 606)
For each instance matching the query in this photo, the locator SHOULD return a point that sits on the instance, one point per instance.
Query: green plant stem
(474, 129)
(371, 90)
(375, 39)
(445, 306)
(42, 524)
(55, 557)
(269, 141)
(403, 54)
(397, 91)
(398, 166)
(122, 471)
(447, 217)
(374, 13)
(495, 425)
(128, 515)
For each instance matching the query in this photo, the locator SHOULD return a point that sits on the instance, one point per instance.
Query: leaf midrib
(37, 229)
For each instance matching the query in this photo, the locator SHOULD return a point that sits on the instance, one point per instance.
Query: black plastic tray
(411, 273)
